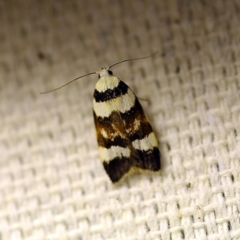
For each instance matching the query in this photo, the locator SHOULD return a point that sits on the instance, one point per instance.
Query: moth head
(105, 72)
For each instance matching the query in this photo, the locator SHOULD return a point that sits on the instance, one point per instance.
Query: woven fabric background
(52, 183)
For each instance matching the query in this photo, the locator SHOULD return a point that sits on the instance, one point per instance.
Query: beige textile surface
(53, 185)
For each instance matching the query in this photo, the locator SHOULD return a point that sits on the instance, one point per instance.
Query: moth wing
(144, 144)
(114, 146)
(125, 137)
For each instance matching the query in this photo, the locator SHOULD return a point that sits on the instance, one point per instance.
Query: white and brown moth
(125, 137)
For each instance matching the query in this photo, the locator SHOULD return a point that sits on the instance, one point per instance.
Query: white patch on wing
(108, 154)
(107, 82)
(136, 124)
(121, 104)
(112, 135)
(104, 133)
(146, 143)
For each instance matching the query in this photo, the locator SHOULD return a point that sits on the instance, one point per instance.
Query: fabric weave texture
(52, 183)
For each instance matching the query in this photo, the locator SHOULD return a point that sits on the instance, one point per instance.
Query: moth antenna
(132, 59)
(126, 60)
(55, 89)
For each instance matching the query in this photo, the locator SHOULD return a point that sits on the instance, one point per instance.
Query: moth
(125, 137)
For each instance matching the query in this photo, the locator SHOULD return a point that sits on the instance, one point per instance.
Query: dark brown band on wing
(122, 127)
(109, 94)
(149, 159)
(146, 160)
(136, 114)
(117, 141)
(117, 168)
(113, 127)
